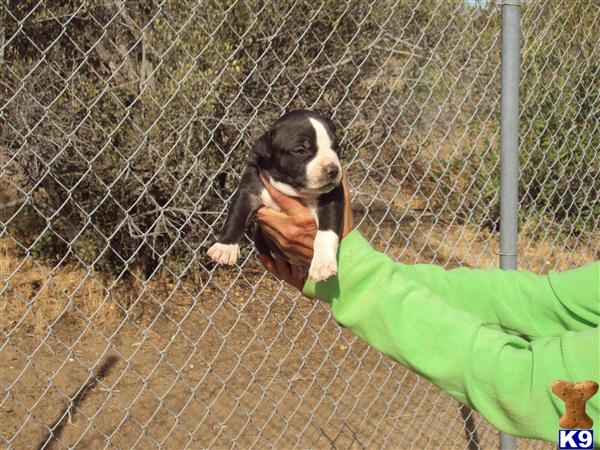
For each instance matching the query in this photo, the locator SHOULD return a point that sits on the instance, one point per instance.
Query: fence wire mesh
(124, 130)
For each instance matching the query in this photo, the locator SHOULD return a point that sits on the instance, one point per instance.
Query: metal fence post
(509, 157)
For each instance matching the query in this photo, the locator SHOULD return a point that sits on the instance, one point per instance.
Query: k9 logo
(575, 439)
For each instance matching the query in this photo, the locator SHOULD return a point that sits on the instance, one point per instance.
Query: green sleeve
(504, 376)
(523, 302)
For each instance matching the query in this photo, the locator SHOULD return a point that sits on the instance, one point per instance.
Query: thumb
(348, 221)
(292, 206)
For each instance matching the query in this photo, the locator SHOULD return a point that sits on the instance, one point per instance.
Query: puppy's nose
(332, 171)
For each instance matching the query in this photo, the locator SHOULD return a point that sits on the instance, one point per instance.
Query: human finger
(348, 221)
(289, 272)
(299, 276)
(269, 216)
(292, 240)
(282, 265)
(268, 263)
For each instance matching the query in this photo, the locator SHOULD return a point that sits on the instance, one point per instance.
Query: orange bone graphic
(575, 395)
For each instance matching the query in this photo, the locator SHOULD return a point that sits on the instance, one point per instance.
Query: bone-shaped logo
(575, 395)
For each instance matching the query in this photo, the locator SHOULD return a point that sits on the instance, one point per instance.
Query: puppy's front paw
(224, 253)
(322, 268)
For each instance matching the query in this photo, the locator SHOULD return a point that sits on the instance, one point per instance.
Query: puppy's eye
(299, 151)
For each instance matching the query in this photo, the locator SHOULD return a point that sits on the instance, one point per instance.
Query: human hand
(292, 274)
(293, 231)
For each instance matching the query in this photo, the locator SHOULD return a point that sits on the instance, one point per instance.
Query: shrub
(558, 151)
(130, 123)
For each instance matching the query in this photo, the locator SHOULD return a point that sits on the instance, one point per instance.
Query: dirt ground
(230, 358)
(278, 387)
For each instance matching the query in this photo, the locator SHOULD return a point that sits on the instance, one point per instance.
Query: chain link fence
(124, 128)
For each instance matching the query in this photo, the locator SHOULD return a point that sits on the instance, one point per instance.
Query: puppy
(299, 157)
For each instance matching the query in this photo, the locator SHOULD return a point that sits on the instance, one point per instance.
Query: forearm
(528, 304)
(503, 376)
(522, 302)
(397, 316)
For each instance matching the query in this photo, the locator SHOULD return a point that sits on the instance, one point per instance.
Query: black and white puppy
(299, 157)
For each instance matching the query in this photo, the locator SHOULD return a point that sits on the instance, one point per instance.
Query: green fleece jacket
(494, 340)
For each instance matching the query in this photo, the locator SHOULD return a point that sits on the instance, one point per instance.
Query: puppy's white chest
(268, 201)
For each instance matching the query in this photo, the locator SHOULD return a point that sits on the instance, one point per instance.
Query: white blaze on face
(316, 169)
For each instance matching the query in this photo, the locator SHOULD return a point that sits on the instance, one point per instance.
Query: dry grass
(395, 216)
(39, 295)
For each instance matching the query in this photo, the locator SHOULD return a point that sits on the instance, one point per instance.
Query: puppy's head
(300, 154)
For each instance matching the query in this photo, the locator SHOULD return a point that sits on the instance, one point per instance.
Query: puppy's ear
(262, 147)
(330, 124)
